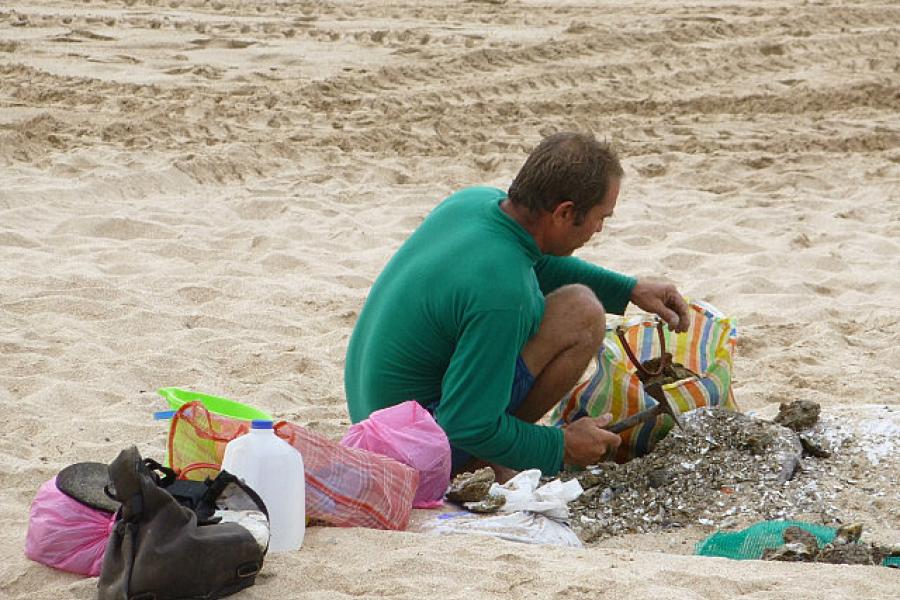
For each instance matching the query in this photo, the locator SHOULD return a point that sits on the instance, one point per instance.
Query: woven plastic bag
(611, 385)
(65, 534)
(408, 433)
(345, 487)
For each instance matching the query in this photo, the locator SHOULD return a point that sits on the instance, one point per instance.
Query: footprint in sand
(198, 294)
(223, 43)
(115, 228)
(8, 238)
(683, 261)
(718, 244)
(639, 240)
(354, 281)
(116, 59)
(260, 209)
(80, 35)
(283, 263)
(205, 71)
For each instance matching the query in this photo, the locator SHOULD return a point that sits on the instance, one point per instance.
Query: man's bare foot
(504, 474)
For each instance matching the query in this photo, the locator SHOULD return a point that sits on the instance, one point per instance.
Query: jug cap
(261, 424)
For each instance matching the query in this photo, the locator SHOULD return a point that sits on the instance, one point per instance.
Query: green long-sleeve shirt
(448, 317)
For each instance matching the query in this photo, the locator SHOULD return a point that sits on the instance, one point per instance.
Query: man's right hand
(587, 443)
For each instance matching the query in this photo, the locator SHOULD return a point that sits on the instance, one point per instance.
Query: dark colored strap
(163, 476)
(664, 357)
(248, 570)
(188, 493)
(133, 508)
(131, 530)
(215, 487)
(109, 493)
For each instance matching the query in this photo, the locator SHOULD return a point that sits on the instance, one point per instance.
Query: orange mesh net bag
(345, 487)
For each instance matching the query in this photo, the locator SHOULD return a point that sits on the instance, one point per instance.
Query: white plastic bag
(531, 514)
(525, 527)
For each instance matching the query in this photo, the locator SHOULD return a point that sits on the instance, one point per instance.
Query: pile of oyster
(724, 468)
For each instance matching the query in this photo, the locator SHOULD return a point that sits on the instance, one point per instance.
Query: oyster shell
(471, 487)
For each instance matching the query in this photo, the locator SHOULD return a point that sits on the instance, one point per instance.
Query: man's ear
(564, 211)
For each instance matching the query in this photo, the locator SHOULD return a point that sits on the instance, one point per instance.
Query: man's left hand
(664, 300)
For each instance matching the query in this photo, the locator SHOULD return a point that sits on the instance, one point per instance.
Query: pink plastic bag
(408, 433)
(65, 534)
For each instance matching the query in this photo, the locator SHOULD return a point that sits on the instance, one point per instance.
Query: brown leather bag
(158, 551)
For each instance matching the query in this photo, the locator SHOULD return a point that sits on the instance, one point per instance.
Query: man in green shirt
(485, 318)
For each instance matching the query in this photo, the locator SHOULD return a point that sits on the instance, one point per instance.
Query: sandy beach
(200, 193)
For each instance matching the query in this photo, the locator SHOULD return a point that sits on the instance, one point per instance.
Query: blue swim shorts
(523, 381)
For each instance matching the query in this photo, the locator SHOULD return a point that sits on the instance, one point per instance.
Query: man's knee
(574, 321)
(582, 310)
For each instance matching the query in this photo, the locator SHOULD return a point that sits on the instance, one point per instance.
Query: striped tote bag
(611, 385)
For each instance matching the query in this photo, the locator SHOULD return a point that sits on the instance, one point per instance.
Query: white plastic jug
(274, 469)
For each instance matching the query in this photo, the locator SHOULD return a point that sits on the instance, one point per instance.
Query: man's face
(569, 236)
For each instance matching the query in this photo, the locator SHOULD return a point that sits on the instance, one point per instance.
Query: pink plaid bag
(346, 487)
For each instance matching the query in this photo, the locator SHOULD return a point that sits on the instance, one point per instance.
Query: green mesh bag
(749, 543)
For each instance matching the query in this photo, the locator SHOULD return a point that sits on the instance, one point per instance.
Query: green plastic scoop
(221, 406)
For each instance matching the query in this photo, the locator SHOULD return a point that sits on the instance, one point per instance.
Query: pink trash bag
(408, 433)
(65, 534)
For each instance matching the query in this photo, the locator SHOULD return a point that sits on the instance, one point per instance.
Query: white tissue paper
(551, 499)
